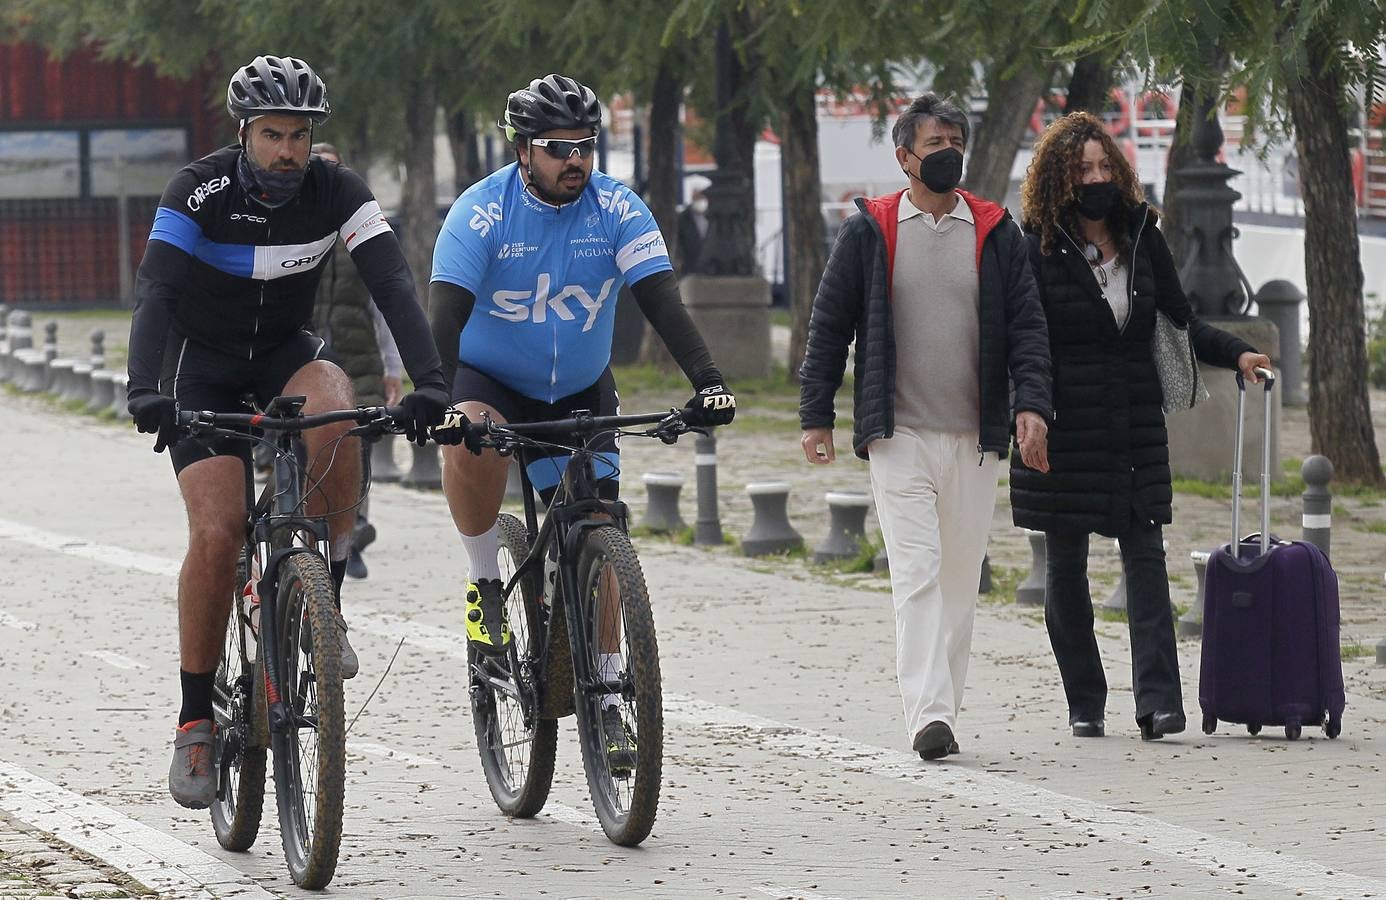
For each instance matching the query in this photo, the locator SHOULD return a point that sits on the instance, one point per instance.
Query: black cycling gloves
(712, 405)
(456, 429)
(424, 408)
(156, 414)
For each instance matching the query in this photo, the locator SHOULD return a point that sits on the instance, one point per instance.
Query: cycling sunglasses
(565, 149)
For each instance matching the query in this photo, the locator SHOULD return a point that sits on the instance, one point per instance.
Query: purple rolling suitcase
(1270, 622)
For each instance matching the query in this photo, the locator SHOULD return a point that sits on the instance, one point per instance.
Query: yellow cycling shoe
(487, 629)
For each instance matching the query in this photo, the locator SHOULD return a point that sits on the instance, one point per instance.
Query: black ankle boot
(1158, 724)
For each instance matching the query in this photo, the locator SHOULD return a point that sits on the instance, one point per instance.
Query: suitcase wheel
(1333, 727)
(1210, 723)
(1292, 732)
(1253, 729)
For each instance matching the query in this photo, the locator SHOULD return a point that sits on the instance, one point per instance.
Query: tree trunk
(803, 214)
(1339, 412)
(418, 204)
(466, 155)
(1089, 84)
(666, 98)
(1010, 103)
(360, 155)
(1181, 154)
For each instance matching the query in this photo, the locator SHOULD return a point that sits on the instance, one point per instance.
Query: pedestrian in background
(933, 285)
(354, 328)
(1103, 270)
(691, 227)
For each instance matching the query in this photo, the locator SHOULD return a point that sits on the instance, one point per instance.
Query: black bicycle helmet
(554, 101)
(277, 84)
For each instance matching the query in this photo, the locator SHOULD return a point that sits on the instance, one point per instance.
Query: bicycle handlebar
(670, 424)
(194, 421)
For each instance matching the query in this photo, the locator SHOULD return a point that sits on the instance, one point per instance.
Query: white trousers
(934, 502)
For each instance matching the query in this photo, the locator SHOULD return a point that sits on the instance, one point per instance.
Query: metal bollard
(425, 472)
(98, 349)
(102, 386)
(846, 526)
(1317, 471)
(662, 502)
(120, 382)
(1031, 590)
(1116, 601)
(1279, 302)
(984, 584)
(383, 468)
(770, 529)
(1191, 623)
(707, 527)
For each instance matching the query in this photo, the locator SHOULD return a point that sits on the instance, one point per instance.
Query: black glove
(712, 405)
(457, 429)
(156, 414)
(423, 408)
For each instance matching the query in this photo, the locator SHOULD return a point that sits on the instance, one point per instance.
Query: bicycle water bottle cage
(285, 407)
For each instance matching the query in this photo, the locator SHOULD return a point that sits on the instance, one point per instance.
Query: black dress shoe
(1089, 728)
(933, 740)
(1158, 724)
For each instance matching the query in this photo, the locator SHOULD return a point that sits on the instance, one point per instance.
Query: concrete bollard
(4, 323)
(98, 349)
(707, 527)
(425, 472)
(1317, 522)
(770, 529)
(881, 562)
(662, 502)
(1116, 601)
(81, 381)
(35, 367)
(383, 468)
(846, 526)
(102, 386)
(984, 583)
(50, 341)
(120, 382)
(1191, 623)
(20, 335)
(60, 377)
(1031, 590)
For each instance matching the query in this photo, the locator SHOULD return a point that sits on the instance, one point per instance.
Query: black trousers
(1069, 618)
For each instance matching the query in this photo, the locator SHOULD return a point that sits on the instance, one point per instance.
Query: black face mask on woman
(1095, 201)
(940, 171)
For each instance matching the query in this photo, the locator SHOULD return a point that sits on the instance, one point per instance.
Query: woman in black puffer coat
(1103, 268)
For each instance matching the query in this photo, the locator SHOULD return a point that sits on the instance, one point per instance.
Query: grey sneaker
(192, 777)
(350, 664)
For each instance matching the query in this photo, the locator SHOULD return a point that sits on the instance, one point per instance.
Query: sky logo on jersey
(485, 218)
(617, 203)
(535, 305)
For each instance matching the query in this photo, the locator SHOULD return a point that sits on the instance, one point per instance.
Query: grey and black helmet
(277, 84)
(549, 103)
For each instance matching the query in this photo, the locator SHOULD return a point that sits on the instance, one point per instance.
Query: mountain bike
(279, 682)
(582, 635)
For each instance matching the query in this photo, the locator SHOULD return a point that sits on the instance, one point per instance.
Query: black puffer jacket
(1108, 448)
(853, 303)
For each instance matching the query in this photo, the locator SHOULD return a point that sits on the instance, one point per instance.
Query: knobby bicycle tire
(240, 799)
(517, 750)
(310, 818)
(625, 801)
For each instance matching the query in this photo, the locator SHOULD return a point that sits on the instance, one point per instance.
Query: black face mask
(1095, 201)
(269, 188)
(940, 171)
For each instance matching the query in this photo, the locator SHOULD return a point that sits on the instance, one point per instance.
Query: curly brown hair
(1049, 194)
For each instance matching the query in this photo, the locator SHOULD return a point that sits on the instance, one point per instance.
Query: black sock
(338, 567)
(197, 696)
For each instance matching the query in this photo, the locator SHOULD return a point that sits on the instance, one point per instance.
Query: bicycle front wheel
(310, 755)
(621, 714)
(239, 756)
(517, 746)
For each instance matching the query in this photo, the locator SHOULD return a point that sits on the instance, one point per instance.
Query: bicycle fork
(280, 717)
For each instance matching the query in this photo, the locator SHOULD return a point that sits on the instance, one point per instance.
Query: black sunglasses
(565, 149)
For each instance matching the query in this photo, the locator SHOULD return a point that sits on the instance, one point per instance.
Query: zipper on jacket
(256, 330)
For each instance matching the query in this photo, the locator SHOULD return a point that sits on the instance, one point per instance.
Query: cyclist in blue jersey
(522, 303)
(224, 297)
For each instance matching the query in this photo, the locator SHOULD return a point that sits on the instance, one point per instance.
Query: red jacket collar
(886, 211)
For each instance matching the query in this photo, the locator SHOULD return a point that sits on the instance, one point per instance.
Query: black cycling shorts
(200, 377)
(545, 468)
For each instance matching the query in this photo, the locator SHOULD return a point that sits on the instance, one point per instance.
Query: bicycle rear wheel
(623, 753)
(240, 758)
(517, 746)
(310, 756)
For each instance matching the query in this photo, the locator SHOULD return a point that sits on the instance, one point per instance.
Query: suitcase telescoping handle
(1268, 379)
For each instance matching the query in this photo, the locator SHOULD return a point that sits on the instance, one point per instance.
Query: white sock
(609, 669)
(482, 550)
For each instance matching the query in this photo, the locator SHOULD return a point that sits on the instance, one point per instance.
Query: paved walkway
(34, 864)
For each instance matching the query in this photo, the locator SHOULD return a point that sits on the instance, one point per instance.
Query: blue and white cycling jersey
(545, 278)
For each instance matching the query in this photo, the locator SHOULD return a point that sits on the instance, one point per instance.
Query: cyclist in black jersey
(223, 298)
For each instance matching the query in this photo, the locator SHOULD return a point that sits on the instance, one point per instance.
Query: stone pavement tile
(33, 864)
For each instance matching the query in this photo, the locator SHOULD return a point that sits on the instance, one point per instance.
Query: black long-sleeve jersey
(231, 274)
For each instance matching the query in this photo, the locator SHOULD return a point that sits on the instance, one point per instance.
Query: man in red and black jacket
(934, 286)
